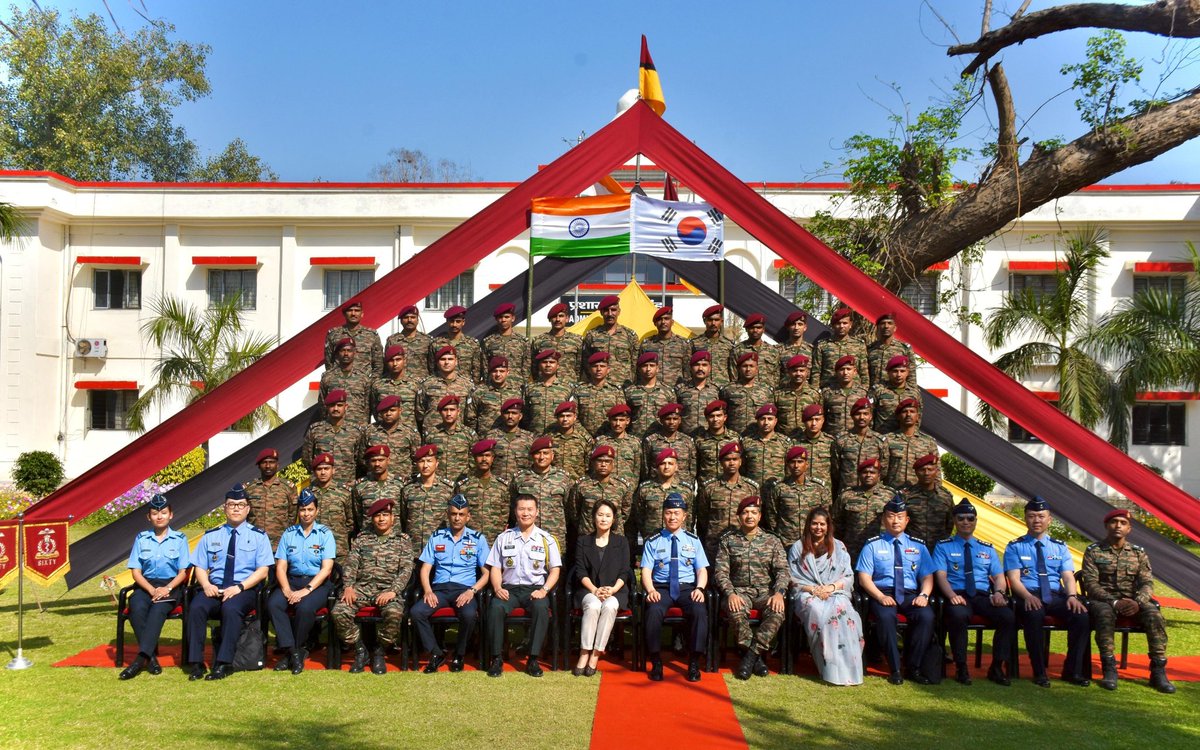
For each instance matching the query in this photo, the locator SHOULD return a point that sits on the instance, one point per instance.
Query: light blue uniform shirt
(305, 553)
(160, 559)
(1021, 554)
(656, 555)
(455, 561)
(877, 561)
(524, 562)
(253, 551)
(949, 556)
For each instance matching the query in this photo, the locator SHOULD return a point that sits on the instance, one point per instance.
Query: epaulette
(179, 534)
(1137, 548)
(446, 482)
(255, 528)
(1058, 541)
(947, 540)
(656, 535)
(916, 539)
(293, 526)
(648, 482)
(462, 478)
(215, 528)
(710, 481)
(752, 482)
(985, 543)
(1093, 545)
(875, 538)
(728, 531)
(688, 533)
(141, 534)
(1016, 541)
(818, 480)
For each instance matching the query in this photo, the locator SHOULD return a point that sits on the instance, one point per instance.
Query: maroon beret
(444, 351)
(897, 361)
(425, 450)
(336, 396)
(664, 454)
(497, 361)
(447, 400)
(667, 410)
(712, 310)
(602, 451)
(458, 311)
(811, 411)
(749, 502)
(665, 310)
(386, 403)
(559, 307)
(728, 448)
(867, 463)
(352, 303)
(409, 310)
(377, 450)
(701, 356)
(618, 410)
(566, 406)
(863, 404)
(380, 506)
(321, 459)
(542, 443)
(846, 360)
(504, 308)
(344, 343)
(928, 458)
(766, 409)
(513, 403)
(1115, 513)
(712, 406)
(794, 316)
(838, 314)
(755, 319)
(598, 357)
(483, 446)
(266, 453)
(609, 301)
(799, 360)
(395, 350)
(547, 354)
(747, 355)
(886, 316)
(645, 357)
(907, 402)
(797, 451)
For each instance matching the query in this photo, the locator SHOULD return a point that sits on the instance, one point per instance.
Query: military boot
(749, 659)
(1158, 676)
(1108, 668)
(378, 663)
(360, 657)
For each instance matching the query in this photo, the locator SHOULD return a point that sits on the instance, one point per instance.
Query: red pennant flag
(47, 551)
(8, 550)
(669, 191)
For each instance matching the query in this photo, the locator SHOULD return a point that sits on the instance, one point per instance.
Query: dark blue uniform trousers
(446, 594)
(291, 632)
(1002, 619)
(695, 615)
(233, 612)
(147, 617)
(916, 637)
(1078, 661)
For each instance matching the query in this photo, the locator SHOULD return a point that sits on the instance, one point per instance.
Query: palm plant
(1057, 323)
(198, 350)
(10, 221)
(1155, 335)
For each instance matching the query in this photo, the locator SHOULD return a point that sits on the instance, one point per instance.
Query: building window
(342, 285)
(1159, 424)
(228, 284)
(1018, 434)
(1172, 286)
(1039, 284)
(921, 293)
(117, 290)
(800, 290)
(649, 272)
(460, 291)
(110, 409)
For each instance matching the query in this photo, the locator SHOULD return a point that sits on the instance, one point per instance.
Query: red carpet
(1187, 604)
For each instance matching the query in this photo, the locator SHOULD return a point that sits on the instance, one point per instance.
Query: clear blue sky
(770, 89)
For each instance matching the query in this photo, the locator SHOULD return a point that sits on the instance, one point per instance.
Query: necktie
(897, 572)
(674, 575)
(1043, 576)
(969, 570)
(227, 580)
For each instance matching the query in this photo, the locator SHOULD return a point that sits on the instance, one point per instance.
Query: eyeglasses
(237, 506)
(964, 518)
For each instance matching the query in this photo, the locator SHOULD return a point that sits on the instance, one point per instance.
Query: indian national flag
(586, 227)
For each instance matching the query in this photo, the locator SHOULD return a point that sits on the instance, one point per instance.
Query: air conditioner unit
(91, 348)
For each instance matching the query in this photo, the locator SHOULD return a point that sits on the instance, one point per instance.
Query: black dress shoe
(1077, 681)
(896, 678)
(154, 667)
(219, 672)
(197, 671)
(656, 670)
(693, 674)
(760, 667)
(919, 677)
(496, 668)
(962, 675)
(996, 675)
(296, 660)
(133, 670)
(532, 668)
(456, 664)
(435, 661)
(589, 671)
(1042, 681)
(283, 665)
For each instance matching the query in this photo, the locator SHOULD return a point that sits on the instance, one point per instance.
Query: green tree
(10, 221)
(198, 350)
(1057, 323)
(234, 164)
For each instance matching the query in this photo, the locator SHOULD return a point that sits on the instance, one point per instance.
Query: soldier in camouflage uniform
(1119, 583)
(376, 574)
(818, 442)
(629, 459)
(396, 380)
(452, 438)
(417, 346)
(765, 448)
(599, 484)
(743, 398)
(714, 342)
(558, 338)
(885, 348)
(335, 508)
(888, 394)
(487, 493)
(787, 501)
(792, 345)
(612, 337)
(506, 343)
(550, 485)
(768, 355)
(752, 573)
(930, 505)
(828, 352)
(598, 395)
(355, 381)
(647, 395)
(336, 436)
(572, 444)
(696, 392)
(708, 442)
(512, 443)
(716, 506)
(673, 350)
(855, 445)
(858, 509)
(668, 435)
(794, 394)
(543, 395)
(449, 381)
(397, 435)
(423, 500)
(379, 484)
(906, 444)
(838, 398)
(470, 355)
(646, 518)
(366, 340)
(272, 498)
(487, 398)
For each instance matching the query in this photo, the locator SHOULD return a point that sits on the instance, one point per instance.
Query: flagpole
(721, 283)
(19, 661)
(529, 301)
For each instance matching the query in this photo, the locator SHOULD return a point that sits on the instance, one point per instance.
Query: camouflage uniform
(685, 450)
(490, 501)
(513, 347)
(786, 504)
(786, 352)
(454, 448)
(588, 491)
(434, 389)
(622, 344)
(885, 399)
(826, 354)
(357, 384)
(791, 402)
(417, 350)
(718, 348)
(878, 356)
(272, 506)
(511, 451)
(1110, 574)
(483, 413)
(470, 355)
(366, 343)
(743, 400)
(406, 388)
(572, 452)
(837, 403)
(645, 401)
(552, 491)
(646, 517)
(849, 449)
(755, 567)
(820, 455)
(768, 361)
(377, 564)
(764, 458)
(367, 490)
(345, 443)
(857, 513)
(540, 402)
(674, 352)
(402, 440)
(902, 451)
(693, 399)
(569, 345)
(629, 456)
(930, 512)
(716, 508)
(707, 445)
(335, 509)
(423, 509)
(594, 403)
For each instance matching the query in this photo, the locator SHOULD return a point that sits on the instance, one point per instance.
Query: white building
(94, 254)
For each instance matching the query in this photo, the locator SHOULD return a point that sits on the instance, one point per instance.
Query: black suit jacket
(614, 567)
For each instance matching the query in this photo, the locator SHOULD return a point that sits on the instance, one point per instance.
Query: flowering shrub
(12, 502)
(129, 501)
(182, 469)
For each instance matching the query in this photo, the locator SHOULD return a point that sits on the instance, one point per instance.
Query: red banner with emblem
(47, 551)
(8, 550)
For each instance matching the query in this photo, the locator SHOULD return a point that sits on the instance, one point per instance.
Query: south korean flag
(675, 229)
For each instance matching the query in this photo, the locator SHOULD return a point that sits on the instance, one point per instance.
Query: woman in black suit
(602, 579)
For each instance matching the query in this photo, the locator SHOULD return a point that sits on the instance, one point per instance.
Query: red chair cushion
(368, 611)
(1127, 622)
(518, 612)
(1053, 622)
(674, 612)
(444, 612)
(176, 612)
(979, 620)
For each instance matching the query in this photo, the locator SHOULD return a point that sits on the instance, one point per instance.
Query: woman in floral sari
(824, 575)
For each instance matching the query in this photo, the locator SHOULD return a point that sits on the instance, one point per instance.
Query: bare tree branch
(1006, 140)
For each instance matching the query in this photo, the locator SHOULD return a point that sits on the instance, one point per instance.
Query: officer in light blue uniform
(159, 562)
(971, 578)
(231, 561)
(1042, 576)
(303, 563)
(453, 574)
(674, 574)
(896, 572)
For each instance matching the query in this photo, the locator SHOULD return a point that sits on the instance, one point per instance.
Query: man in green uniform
(714, 342)
(558, 338)
(859, 508)
(423, 500)
(572, 444)
(470, 354)
(792, 345)
(612, 337)
(885, 348)
(366, 340)
(672, 349)
(598, 394)
(709, 441)
(452, 438)
(646, 518)
(716, 507)
(795, 393)
(828, 352)
(751, 391)
(855, 445)
(627, 448)
(906, 445)
(379, 483)
(417, 346)
(696, 392)
(512, 442)
(818, 442)
(487, 493)
(767, 355)
(930, 505)
(601, 483)
(335, 508)
(272, 498)
(765, 447)
(489, 396)
(449, 380)
(549, 485)
(398, 381)
(336, 436)
(543, 395)
(507, 343)
(888, 394)
(839, 398)
(668, 435)
(647, 395)
(396, 434)
(787, 501)
(355, 381)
